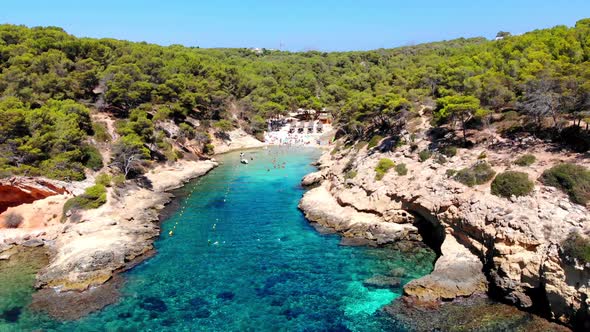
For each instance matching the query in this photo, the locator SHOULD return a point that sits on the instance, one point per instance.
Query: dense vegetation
(511, 183)
(525, 160)
(572, 179)
(383, 166)
(577, 246)
(92, 198)
(50, 82)
(479, 173)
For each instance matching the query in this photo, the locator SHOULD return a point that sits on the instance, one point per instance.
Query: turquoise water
(243, 258)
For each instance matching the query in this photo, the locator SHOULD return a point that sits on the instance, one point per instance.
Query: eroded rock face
(103, 241)
(515, 242)
(21, 190)
(457, 272)
(312, 179)
(320, 206)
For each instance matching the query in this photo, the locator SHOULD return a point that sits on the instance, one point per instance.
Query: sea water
(237, 255)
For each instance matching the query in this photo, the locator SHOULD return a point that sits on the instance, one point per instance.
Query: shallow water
(243, 258)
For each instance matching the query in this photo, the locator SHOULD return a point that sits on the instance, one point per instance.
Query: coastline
(86, 256)
(475, 258)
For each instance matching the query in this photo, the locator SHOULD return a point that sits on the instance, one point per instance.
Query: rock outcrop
(320, 206)
(457, 272)
(90, 247)
(15, 191)
(312, 179)
(88, 252)
(515, 243)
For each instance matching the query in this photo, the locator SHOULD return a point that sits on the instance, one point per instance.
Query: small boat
(244, 161)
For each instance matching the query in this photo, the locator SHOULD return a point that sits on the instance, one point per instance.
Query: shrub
(451, 172)
(510, 116)
(186, 130)
(103, 179)
(101, 133)
(118, 180)
(482, 155)
(208, 148)
(525, 160)
(479, 173)
(224, 125)
(572, 179)
(92, 157)
(57, 168)
(512, 183)
(360, 144)
(424, 155)
(13, 220)
(382, 167)
(577, 246)
(401, 169)
(374, 141)
(449, 151)
(350, 174)
(92, 198)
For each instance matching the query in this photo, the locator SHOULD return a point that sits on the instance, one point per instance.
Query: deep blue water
(243, 258)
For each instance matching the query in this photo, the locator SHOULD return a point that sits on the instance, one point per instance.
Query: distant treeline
(49, 80)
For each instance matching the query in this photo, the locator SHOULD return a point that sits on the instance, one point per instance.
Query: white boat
(244, 161)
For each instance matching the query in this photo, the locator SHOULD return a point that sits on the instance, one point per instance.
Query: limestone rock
(457, 272)
(312, 179)
(520, 238)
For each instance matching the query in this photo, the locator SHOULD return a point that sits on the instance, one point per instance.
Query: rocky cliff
(509, 248)
(89, 248)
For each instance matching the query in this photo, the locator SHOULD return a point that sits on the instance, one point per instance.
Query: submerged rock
(382, 282)
(11, 315)
(74, 305)
(467, 314)
(226, 295)
(153, 304)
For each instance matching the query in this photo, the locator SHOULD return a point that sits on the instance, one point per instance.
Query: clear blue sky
(327, 25)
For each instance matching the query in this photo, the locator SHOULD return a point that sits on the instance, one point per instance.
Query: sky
(325, 25)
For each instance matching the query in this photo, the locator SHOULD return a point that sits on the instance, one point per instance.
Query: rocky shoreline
(508, 249)
(87, 253)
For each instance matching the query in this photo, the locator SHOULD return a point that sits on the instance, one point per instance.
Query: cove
(243, 258)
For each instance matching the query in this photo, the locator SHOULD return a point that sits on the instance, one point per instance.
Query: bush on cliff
(382, 167)
(374, 141)
(103, 179)
(424, 155)
(92, 198)
(101, 133)
(350, 174)
(13, 220)
(512, 183)
(118, 180)
(209, 149)
(525, 160)
(572, 179)
(577, 246)
(479, 173)
(449, 151)
(401, 169)
(92, 157)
